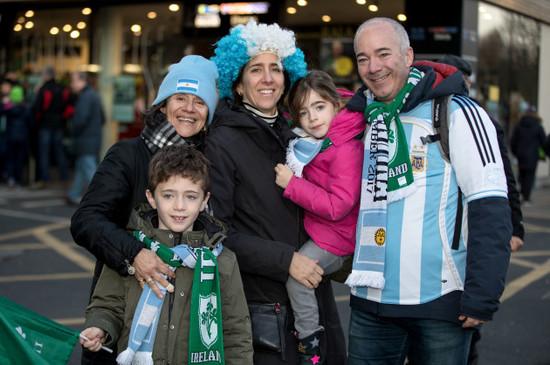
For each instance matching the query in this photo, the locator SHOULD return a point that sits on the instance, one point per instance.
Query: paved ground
(41, 268)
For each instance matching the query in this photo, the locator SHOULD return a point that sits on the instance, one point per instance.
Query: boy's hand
(96, 337)
(284, 174)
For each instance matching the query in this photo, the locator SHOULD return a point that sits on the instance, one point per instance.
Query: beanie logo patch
(187, 86)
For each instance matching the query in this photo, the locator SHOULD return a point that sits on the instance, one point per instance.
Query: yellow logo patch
(380, 237)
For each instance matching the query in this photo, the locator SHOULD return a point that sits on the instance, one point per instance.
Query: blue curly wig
(245, 42)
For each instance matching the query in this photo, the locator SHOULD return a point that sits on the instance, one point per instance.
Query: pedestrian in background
(86, 130)
(50, 111)
(19, 121)
(527, 140)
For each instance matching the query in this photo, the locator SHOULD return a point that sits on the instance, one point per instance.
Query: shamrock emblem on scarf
(209, 316)
(391, 136)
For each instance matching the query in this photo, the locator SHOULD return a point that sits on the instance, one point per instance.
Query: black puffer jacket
(264, 228)
(118, 185)
(527, 138)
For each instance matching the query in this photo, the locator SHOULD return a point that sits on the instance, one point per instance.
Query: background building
(128, 45)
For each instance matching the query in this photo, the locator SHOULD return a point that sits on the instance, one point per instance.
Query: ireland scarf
(206, 319)
(387, 177)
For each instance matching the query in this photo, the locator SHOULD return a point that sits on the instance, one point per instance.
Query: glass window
(509, 46)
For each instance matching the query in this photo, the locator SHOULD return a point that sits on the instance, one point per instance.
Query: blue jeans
(377, 340)
(51, 139)
(85, 166)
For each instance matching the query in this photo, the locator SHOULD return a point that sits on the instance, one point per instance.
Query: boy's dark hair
(179, 160)
(318, 81)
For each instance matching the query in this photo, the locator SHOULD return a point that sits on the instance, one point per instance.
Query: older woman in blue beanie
(183, 108)
(258, 63)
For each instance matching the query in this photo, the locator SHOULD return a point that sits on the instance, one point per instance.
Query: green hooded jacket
(116, 297)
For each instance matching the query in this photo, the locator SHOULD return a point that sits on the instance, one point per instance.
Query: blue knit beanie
(192, 75)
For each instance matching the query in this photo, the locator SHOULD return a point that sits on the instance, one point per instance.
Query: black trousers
(526, 182)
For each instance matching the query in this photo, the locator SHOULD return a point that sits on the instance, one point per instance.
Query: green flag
(29, 338)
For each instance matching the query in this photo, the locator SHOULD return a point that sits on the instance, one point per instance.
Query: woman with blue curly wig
(257, 64)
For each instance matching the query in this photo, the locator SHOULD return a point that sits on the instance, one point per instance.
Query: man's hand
(470, 322)
(516, 243)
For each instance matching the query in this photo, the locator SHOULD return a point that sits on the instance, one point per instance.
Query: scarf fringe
(372, 279)
(396, 195)
(143, 358)
(125, 357)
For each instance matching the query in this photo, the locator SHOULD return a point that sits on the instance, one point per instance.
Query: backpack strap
(458, 221)
(441, 109)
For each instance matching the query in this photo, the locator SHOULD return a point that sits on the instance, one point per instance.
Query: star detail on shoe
(301, 347)
(315, 359)
(314, 343)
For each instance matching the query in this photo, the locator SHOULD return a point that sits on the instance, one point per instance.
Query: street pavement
(42, 269)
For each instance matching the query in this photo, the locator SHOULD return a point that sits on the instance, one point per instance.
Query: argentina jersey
(420, 265)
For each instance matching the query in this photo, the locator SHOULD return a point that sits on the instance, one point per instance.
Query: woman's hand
(305, 270)
(96, 337)
(284, 174)
(149, 268)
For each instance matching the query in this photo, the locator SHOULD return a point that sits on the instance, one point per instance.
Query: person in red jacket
(51, 109)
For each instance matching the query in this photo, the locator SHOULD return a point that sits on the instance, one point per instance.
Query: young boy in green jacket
(203, 318)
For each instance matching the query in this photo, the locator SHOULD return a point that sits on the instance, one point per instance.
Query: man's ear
(409, 56)
(151, 199)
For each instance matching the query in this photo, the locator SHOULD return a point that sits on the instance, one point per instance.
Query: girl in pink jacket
(323, 176)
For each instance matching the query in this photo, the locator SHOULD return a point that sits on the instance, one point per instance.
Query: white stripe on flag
(187, 85)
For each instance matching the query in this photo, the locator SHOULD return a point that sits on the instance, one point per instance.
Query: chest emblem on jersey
(418, 163)
(418, 159)
(380, 236)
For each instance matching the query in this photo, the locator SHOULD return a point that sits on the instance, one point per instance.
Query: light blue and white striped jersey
(420, 265)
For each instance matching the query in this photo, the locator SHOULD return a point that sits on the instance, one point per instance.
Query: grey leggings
(302, 299)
